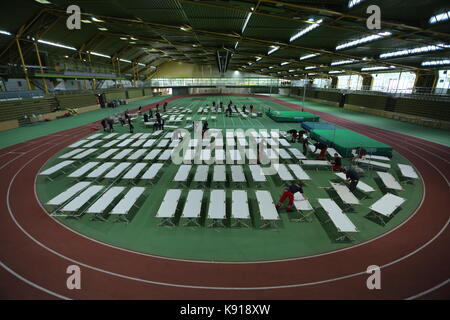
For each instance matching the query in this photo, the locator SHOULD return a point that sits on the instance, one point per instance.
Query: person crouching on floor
(352, 177)
(323, 149)
(288, 193)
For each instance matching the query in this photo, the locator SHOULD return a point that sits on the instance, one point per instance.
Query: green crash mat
(344, 141)
(292, 116)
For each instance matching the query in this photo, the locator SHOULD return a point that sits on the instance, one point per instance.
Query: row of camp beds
(90, 142)
(258, 173)
(83, 197)
(216, 213)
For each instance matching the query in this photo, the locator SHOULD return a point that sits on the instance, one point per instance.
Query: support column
(41, 67)
(24, 68)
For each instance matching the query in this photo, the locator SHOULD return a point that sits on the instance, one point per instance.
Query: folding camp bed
(237, 174)
(128, 201)
(345, 194)
(360, 186)
(371, 163)
(304, 206)
(152, 154)
(218, 142)
(77, 144)
(84, 154)
(79, 201)
(342, 223)
(206, 142)
(205, 156)
(219, 174)
(125, 143)
(270, 155)
(219, 155)
(137, 143)
(165, 155)
(48, 172)
(257, 174)
(117, 170)
(144, 136)
(316, 163)
(235, 155)
(174, 143)
(389, 181)
(192, 207)
(217, 207)
(110, 136)
(157, 133)
(68, 194)
(100, 170)
(239, 207)
(137, 154)
(92, 143)
(101, 204)
(272, 142)
(312, 148)
(182, 174)
(94, 136)
(193, 143)
(107, 154)
(299, 172)
(201, 175)
(123, 136)
(297, 154)
(149, 143)
(203, 119)
(229, 134)
(169, 135)
(134, 171)
(375, 157)
(111, 143)
(71, 153)
(284, 154)
(267, 209)
(331, 152)
(385, 206)
(122, 154)
(242, 142)
(230, 142)
(82, 171)
(251, 156)
(189, 156)
(284, 143)
(408, 171)
(283, 173)
(152, 172)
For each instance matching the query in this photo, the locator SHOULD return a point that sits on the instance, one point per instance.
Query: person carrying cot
(323, 149)
(352, 177)
(288, 193)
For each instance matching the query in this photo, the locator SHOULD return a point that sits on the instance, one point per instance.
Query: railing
(214, 82)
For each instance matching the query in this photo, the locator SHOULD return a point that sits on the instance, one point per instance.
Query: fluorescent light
(6, 33)
(338, 63)
(123, 38)
(353, 3)
(310, 68)
(291, 70)
(258, 58)
(306, 30)
(141, 64)
(59, 45)
(377, 68)
(335, 72)
(246, 21)
(309, 56)
(435, 63)
(132, 42)
(284, 63)
(103, 29)
(96, 20)
(363, 40)
(43, 1)
(185, 28)
(407, 52)
(133, 38)
(439, 17)
(273, 50)
(271, 67)
(123, 60)
(236, 45)
(86, 21)
(99, 54)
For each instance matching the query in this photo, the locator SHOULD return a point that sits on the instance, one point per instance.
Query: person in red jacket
(289, 194)
(323, 149)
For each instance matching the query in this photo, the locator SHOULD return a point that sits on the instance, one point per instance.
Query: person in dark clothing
(352, 177)
(323, 149)
(288, 193)
(161, 124)
(165, 106)
(127, 116)
(243, 108)
(111, 124)
(251, 108)
(140, 109)
(235, 109)
(155, 126)
(145, 117)
(150, 113)
(157, 107)
(122, 122)
(304, 141)
(360, 153)
(158, 116)
(229, 111)
(205, 128)
(104, 124)
(294, 135)
(336, 162)
(130, 124)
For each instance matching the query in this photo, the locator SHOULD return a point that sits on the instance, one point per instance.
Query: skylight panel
(363, 40)
(439, 17)
(306, 30)
(407, 52)
(436, 63)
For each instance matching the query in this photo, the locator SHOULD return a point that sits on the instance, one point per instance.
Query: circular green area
(290, 240)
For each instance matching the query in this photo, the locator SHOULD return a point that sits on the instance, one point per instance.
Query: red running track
(36, 249)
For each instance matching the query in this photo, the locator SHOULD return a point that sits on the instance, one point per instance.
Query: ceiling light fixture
(306, 30)
(363, 40)
(435, 63)
(309, 56)
(97, 20)
(274, 48)
(407, 52)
